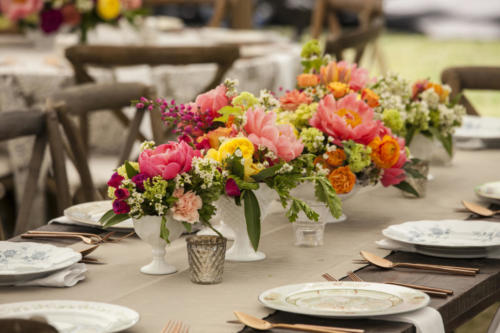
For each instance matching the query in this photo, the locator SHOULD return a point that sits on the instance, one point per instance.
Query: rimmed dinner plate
(344, 299)
(24, 261)
(489, 191)
(446, 233)
(89, 213)
(74, 316)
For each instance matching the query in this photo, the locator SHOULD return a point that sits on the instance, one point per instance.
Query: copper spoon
(479, 210)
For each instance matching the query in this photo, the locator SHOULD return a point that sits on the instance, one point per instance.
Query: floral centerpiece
(53, 15)
(334, 112)
(170, 188)
(239, 133)
(421, 108)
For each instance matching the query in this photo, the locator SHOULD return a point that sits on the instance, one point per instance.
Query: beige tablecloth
(206, 308)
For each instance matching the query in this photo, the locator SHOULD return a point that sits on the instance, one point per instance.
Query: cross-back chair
(89, 98)
(219, 7)
(471, 77)
(84, 56)
(44, 126)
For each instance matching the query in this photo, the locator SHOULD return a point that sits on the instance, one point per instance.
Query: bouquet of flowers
(169, 180)
(334, 112)
(51, 15)
(239, 133)
(423, 107)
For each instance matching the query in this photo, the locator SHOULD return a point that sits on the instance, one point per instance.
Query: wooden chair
(471, 77)
(44, 126)
(82, 56)
(357, 39)
(88, 98)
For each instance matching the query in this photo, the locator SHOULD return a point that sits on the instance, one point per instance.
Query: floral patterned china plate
(344, 299)
(89, 213)
(489, 192)
(446, 233)
(75, 316)
(23, 261)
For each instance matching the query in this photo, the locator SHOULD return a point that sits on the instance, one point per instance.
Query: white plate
(454, 253)
(23, 261)
(446, 233)
(75, 316)
(90, 212)
(484, 128)
(489, 191)
(344, 299)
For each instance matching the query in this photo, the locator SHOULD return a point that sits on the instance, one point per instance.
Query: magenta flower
(139, 180)
(17, 10)
(115, 180)
(121, 193)
(120, 207)
(346, 119)
(232, 188)
(167, 160)
(51, 20)
(262, 130)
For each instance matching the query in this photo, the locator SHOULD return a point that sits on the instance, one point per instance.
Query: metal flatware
(173, 326)
(479, 210)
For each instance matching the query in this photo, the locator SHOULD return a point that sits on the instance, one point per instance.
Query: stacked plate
(344, 299)
(478, 132)
(89, 213)
(489, 192)
(447, 238)
(24, 261)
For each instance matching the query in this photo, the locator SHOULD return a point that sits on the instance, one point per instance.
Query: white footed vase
(429, 149)
(148, 229)
(234, 217)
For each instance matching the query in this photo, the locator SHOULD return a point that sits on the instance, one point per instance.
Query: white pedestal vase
(266, 197)
(429, 149)
(148, 229)
(41, 41)
(218, 225)
(234, 217)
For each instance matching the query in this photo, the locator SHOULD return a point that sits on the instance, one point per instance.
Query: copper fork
(174, 326)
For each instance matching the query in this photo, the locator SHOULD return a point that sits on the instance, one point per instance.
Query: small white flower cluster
(267, 100)
(135, 202)
(232, 87)
(206, 169)
(285, 168)
(182, 179)
(431, 98)
(271, 155)
(418, 115)
(319, 91)
(321, 170)
(450, 117)
(394, 93)
(147, 145)
(84, 5)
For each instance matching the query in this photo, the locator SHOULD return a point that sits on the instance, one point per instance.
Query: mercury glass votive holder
(419, 184)
(308, 233)
(206, 256)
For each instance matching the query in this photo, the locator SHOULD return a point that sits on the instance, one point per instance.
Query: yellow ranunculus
(228, 147)
(251, 169)
(108, 9)
(213, 154)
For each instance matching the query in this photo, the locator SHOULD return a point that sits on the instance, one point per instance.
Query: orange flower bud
(338, 89)
(385, 152)
(342, 179)
(307, 80)
(370, 97)
(336, 158)
(216, 134)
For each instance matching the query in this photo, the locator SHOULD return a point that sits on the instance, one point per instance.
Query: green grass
(417, 56)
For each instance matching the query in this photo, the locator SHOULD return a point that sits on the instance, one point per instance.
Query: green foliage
(325, 193)
(405, 186)
(188, 226)
(227, 111)
(252, 217)
(131, 171)
(298, 205)
(235, 167)
(164, 232)
(446, 140)
(110, 218)
(267, 173)
(244, 185)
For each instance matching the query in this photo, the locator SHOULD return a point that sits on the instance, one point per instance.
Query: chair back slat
(14, 124)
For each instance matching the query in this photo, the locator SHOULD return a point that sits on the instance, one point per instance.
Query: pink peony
(132, 4)
(292, 99)
(186, 207)
(15, 10)
(213, 100)
(342, 71)
(346, 119)
(262, 129)
(167, 160)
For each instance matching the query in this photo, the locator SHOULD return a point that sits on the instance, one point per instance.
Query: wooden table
(471, 294)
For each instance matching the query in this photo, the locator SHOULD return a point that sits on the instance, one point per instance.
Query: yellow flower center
(351, 117)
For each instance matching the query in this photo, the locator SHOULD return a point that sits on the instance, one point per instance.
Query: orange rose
(438, 89)
(292, 99)
(342, 179)
(385, 152)
(307, 80)
(321, 160)
(216, 134)
(370, 97)
(336, 158)
(338, 89)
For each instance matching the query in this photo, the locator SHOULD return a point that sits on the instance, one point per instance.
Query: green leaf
(325, 193)
(188, 226)
(298, 205)
(447, 140)
(235, 166)
(405, 186)
(164, 232)
(115, 220)
(227, 111)
(131, 171)
(243, 185)
(109, 214)
(410, 133)
(266, 173)
(252, 217)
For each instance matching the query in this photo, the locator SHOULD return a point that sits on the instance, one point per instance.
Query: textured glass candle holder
(308, 233)
(206, 255)
(419, 184)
